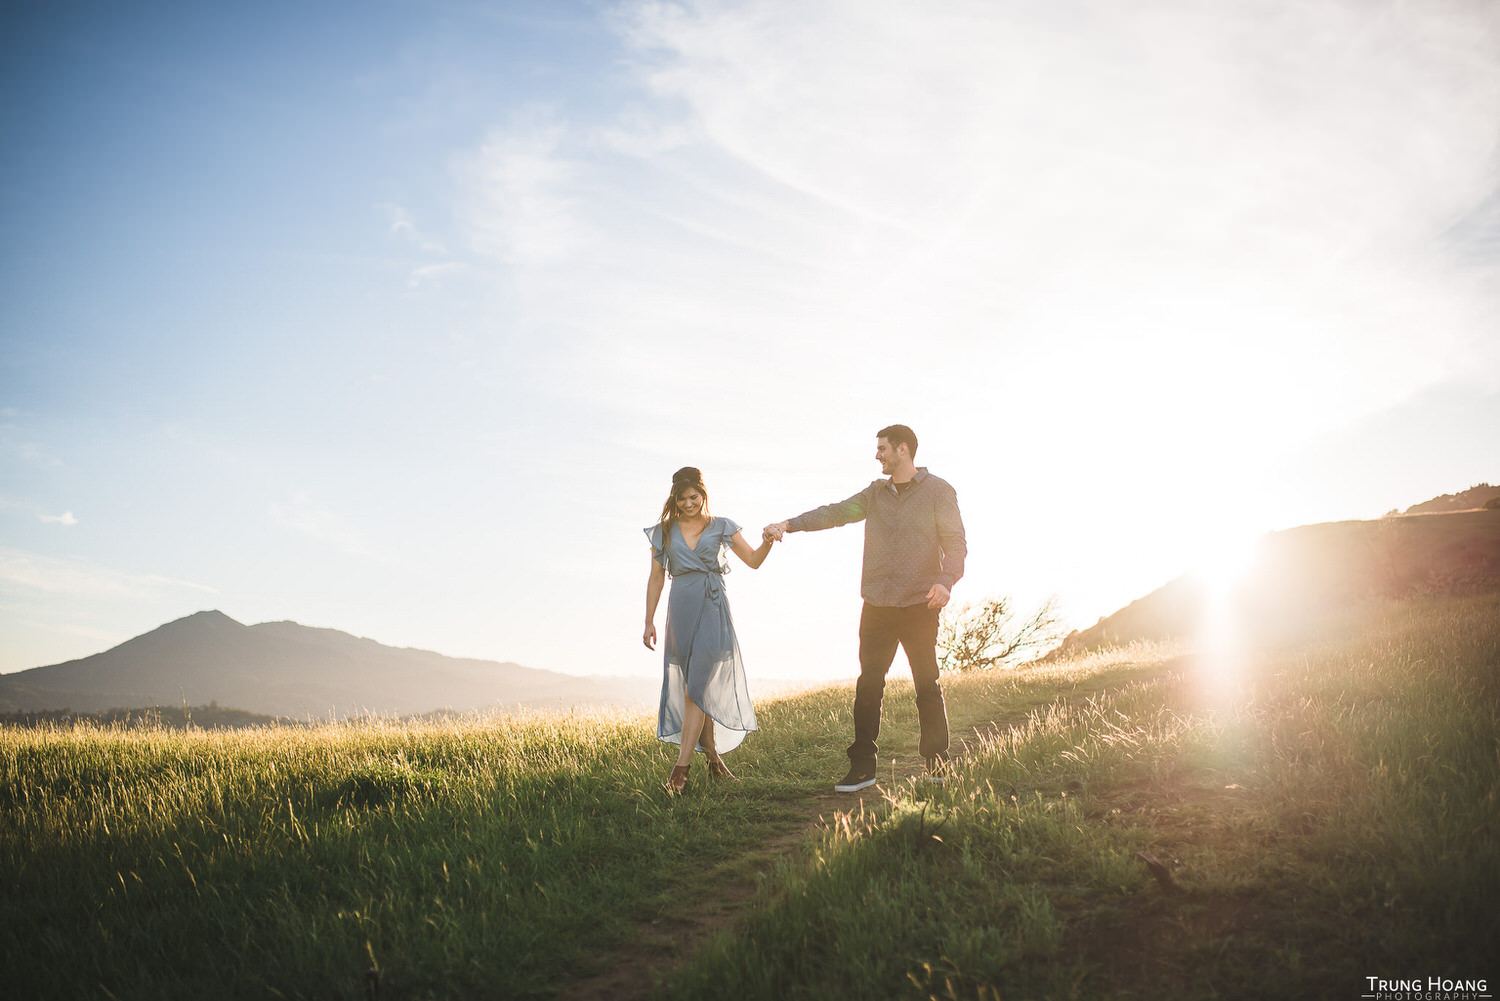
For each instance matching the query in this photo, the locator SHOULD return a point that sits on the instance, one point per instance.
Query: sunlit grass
(1332, 816)
(1329, 813)
(483, 857)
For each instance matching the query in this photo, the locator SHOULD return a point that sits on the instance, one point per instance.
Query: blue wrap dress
(700, 653)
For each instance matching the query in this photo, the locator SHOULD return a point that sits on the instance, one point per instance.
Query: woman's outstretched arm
(753, 557)
(654, 584)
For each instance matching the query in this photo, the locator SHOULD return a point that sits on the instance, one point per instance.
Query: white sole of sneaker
(854, 786)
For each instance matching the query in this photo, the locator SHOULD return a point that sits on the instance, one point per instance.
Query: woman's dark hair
(685, 479)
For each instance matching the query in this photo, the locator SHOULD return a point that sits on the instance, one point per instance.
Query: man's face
(886, 456)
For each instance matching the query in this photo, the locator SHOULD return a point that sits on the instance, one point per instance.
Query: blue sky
(396, 318)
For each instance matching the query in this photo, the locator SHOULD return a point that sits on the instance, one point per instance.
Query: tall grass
(1328, 814)
(481, 858)
(1314, 814)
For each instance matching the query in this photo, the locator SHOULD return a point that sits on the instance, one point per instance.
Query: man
(914, 554)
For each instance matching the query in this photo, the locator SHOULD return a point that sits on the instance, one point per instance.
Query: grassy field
(1257, 823)
(1252, 822)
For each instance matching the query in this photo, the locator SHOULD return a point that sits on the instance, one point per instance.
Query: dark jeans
(881, 629)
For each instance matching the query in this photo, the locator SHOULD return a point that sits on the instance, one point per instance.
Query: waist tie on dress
(715, 583)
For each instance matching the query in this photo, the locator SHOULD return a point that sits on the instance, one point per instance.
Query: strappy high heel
(677, 781)
(716, 767)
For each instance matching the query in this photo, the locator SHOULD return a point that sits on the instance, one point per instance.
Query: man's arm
(828, 516)
(950, 532)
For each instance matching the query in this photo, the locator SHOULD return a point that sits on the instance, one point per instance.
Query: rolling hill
(287, 669)
(1476, 496)
(1297, 574)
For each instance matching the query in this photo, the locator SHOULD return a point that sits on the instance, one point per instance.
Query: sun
(1224, 560)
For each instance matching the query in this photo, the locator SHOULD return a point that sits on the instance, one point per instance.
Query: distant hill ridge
(1476, 496)
(1300, 573)
(287, 669)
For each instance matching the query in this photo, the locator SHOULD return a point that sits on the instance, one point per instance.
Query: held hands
(650, 636)
(773, 532)
(938, 596)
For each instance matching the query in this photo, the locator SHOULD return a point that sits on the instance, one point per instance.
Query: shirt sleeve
(950, 529)
(832, 515)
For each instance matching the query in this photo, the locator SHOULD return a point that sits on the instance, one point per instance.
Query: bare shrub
(977, 637)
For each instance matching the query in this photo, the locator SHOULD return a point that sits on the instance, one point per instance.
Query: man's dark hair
(898, 433)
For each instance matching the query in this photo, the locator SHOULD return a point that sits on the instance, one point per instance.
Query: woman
(704, 699)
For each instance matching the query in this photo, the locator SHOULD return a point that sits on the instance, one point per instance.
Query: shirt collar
(921, 474)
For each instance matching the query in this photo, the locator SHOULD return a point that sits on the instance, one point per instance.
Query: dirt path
(673, 938)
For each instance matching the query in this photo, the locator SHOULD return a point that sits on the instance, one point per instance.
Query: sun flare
(1226, 559)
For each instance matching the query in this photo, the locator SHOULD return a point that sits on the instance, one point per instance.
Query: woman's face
(689, 503)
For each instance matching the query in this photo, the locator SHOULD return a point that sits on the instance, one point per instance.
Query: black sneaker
(859, 777)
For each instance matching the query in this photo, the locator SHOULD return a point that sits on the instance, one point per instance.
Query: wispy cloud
(1150, 245)
(66, 518)
(14, 441)
(302, 514)
(524, 207)
(432, 272)
(1180, 206)
(66, 629)
(22, 572)
(403, 226)
(1475, 235)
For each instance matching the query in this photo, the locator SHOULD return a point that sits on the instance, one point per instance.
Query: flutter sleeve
(654, 536)
(727, 527)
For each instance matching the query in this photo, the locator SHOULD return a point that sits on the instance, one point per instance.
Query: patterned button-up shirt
(913, 538)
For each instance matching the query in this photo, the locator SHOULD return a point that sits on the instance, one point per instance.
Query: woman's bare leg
(692, 727)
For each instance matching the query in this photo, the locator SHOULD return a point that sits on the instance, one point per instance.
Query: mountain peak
(212, 617)
(286, 669)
